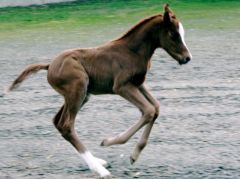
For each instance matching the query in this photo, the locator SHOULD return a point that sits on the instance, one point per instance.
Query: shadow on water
(196, 136)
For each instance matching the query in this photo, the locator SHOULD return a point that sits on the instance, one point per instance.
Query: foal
(117, 67)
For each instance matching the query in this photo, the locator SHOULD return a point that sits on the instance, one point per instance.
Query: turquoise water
(196, 136)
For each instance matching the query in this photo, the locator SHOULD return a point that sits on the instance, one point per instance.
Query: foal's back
(102, 66)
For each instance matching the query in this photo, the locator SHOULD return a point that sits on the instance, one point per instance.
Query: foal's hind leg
(75, 96)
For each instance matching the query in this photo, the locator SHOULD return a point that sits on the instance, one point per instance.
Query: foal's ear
(168, 14)
(167, 9)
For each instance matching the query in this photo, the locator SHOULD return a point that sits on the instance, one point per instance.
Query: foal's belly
(100, 85)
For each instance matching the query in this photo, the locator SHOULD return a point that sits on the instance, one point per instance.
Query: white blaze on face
(182, 32)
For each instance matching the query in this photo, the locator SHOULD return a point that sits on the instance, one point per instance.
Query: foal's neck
(143, 38)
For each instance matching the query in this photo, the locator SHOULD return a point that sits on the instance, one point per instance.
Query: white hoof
(95, 164)
(101, 161)
(100, 170)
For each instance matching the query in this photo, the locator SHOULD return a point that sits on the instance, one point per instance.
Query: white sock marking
(101, 161)
(94, 164)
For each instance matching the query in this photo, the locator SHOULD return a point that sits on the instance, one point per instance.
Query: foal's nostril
(184, 60)
(187, 59)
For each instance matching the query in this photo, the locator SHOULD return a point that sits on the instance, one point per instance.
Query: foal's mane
(138, 25)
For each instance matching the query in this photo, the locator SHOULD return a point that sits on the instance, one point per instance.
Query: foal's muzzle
(184, 61)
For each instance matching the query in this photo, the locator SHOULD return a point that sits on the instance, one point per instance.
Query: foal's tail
(31, 69)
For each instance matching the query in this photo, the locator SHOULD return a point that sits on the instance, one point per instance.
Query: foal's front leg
(133, 95)
(144, 138)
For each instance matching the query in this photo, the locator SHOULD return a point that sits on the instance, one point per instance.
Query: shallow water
(196, 136)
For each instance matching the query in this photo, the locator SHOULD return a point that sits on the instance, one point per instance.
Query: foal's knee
(157, 110)
(149, 114)
(152, 112)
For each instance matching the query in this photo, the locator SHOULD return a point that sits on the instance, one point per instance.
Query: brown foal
(117, 67)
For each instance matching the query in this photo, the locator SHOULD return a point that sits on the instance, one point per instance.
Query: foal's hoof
(106, 177)
(132, 160)
(101, 161)
(104, 143)
(101, 171)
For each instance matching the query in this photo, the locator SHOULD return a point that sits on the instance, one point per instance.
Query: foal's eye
(175, 36)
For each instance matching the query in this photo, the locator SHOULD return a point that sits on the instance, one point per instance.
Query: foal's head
(172, 37)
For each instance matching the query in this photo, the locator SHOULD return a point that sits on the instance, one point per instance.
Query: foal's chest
(138, 78)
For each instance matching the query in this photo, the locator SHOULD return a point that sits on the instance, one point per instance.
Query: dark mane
(138, 25)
